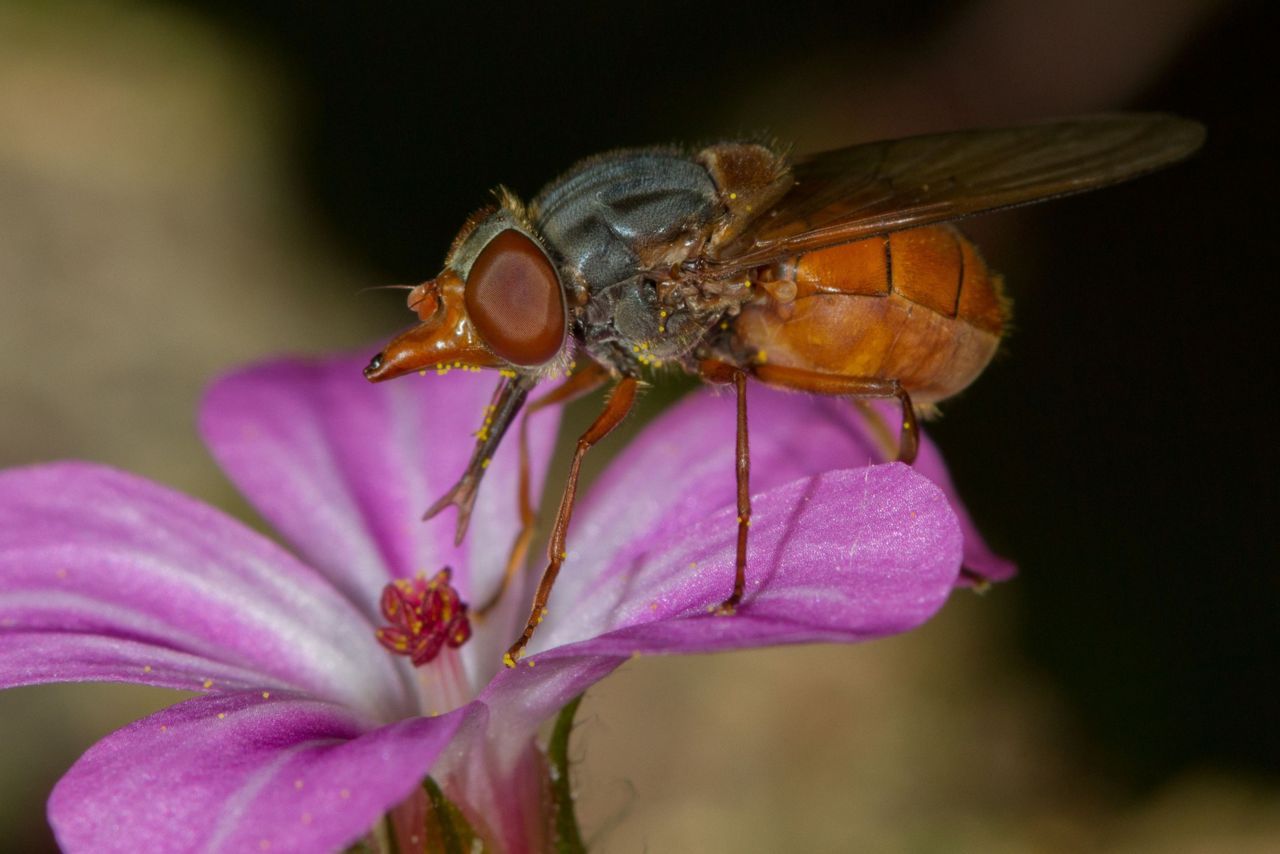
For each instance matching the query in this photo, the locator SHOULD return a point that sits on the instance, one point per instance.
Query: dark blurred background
(185, 186)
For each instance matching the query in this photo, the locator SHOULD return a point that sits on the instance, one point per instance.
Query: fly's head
(498, 303)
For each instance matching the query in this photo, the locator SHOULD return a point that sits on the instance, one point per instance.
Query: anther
(426, 615)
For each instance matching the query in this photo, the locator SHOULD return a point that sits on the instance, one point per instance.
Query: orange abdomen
(916, 306)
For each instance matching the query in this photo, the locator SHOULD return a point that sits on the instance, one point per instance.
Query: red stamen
(426, 615)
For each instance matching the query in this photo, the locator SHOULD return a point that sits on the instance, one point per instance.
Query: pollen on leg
(425, 616)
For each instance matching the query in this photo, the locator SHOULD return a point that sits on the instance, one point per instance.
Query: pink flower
(308, 729)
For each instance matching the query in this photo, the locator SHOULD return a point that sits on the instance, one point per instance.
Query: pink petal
(104, 575)
(843, 556)
(492, 764)
(241, 772)
(683, 465)
(344, 468)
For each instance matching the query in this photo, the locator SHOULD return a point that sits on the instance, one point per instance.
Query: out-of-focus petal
(30, 658)
(683, 464)
(240, 772)
(104, 575)
(344, 468)
(843, 556)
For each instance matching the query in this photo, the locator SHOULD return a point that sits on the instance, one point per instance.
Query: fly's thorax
(624, 214)
(619, 226)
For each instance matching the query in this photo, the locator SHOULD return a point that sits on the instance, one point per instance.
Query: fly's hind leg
(858, 388)
(715, 371)
(828, 384)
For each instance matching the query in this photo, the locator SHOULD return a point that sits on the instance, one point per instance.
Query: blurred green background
(188, 186)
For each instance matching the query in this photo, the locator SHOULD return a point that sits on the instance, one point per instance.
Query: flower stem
(568, 838)
(450, 842)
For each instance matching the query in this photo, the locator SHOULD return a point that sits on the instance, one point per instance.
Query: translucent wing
(864, 190)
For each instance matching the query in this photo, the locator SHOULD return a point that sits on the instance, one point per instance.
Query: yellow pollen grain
(146, 668)
(422, 372)
(208, 683)
(164, 728)
(345, 794)
(266, 695)
(222, 716)
(508, 661)
(733, 196)
(693, 564)
(531, 662)
(485, 463)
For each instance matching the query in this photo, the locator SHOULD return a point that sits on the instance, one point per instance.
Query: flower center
(425, 616)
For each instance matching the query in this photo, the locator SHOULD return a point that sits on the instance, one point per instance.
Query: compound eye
(514, 300)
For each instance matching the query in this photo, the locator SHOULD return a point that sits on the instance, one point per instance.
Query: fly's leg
(861, 388)
(909, 438)
(507, 399)
(616, 407)
(583, 381)
(716, 371)
(743, 468)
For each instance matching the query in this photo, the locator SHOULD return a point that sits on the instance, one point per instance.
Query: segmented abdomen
(917, 306)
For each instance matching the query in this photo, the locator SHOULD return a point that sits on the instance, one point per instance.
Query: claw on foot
(462, 496)
(727, 608)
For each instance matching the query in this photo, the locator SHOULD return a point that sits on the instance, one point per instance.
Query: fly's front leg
(581, 382)
(836, 385)
(507, 400)
(616, 408)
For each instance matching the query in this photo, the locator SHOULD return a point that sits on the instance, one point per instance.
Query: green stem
(568, 839)
(449, 840)
(393, 844)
